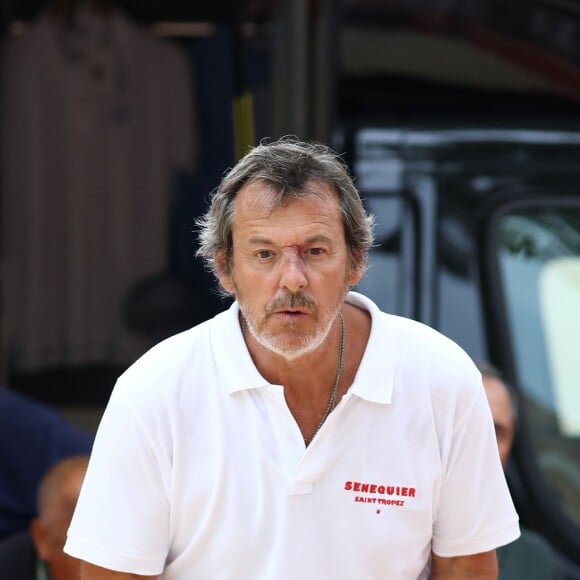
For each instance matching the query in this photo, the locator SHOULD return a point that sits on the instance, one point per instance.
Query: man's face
(290, 267)
(502, 413)
(49, 531)
(61, 565)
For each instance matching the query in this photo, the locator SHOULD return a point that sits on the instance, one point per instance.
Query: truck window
(538, 253)
(391, 277)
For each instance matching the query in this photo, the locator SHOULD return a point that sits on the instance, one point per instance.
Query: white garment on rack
(96, 120)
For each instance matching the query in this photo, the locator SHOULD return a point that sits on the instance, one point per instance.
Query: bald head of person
(57, 498)
(503, 408)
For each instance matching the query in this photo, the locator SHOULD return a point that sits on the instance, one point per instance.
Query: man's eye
(316, 251)
(264, 254)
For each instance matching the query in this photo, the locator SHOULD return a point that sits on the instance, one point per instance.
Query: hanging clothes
(97, 119)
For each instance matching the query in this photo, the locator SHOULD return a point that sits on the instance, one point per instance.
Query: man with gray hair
(303, 433)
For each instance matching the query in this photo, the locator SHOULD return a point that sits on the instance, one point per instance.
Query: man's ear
(357, 271)
(223, 271)
(39, 535)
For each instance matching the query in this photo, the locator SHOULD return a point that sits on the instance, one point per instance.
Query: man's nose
(293, 274)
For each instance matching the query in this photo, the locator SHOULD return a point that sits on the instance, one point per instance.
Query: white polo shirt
(199, 470)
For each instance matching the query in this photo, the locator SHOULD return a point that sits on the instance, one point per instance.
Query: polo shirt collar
(374, 378)
(235, 367)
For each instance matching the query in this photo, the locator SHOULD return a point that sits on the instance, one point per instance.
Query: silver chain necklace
(334, 392)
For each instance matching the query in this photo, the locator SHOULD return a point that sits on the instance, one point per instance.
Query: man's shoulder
(173, 353)
(404, 327)
(415, 340)
(179, 362)
(421, 356)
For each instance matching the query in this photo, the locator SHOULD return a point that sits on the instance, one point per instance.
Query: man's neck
(308, 380)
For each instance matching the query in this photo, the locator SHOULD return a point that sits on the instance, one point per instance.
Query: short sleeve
(475, 512)
(121, 521)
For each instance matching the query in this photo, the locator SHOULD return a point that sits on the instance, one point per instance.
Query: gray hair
(286, 167)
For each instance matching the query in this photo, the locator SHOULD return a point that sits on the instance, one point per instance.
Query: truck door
(532, 258)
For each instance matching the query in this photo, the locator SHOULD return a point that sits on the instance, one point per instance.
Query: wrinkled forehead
(262, 194)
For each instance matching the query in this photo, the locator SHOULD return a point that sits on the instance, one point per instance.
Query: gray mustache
(294, 300)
